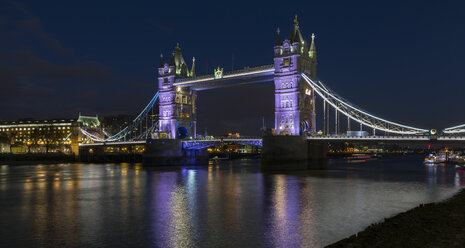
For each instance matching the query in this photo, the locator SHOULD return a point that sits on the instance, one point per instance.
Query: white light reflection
(180, 222)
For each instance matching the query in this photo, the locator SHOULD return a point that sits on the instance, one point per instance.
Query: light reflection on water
(227, 204)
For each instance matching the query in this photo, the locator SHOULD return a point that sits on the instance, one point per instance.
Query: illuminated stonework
(218, 73)
(294, 100)
(177, 105)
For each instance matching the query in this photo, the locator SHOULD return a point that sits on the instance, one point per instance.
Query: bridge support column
(91, 154)
(169, 152)
(177, 104)
(292, 153)
(294, 99)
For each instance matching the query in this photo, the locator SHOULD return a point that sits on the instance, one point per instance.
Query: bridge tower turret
(294, 99)
(177, 108)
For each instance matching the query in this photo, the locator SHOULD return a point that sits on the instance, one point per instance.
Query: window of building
(286, 62)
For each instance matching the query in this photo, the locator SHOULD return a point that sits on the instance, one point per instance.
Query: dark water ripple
(224, 204)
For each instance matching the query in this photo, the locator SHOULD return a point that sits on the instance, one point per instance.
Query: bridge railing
(380, 137)
(223, 137)
(451, 138)
(203, 143)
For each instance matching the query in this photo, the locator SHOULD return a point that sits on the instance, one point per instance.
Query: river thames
(224, 204)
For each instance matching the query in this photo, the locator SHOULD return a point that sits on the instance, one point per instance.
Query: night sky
(403, 61)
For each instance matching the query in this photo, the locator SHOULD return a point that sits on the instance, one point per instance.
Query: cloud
(34, 66)
(38, 81)
(161, 27)
(37, 87)
(31, 24)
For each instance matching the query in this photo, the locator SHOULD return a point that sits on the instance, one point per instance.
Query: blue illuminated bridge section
(200, 144)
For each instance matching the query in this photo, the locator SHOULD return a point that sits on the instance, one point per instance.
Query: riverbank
(428, 225)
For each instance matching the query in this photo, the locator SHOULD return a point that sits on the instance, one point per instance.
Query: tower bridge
(296, 91)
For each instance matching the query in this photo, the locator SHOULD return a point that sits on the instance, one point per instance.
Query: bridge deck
(257, 141)
(399, 138)
(138, 142)
(252, 75)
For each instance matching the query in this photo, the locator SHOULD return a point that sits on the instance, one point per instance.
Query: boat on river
(435, 159)
(445, 157)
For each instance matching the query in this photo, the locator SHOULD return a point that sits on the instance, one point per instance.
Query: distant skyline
(402, 61)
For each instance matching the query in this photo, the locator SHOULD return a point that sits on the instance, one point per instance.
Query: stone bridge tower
(177, 109)
(294, 98)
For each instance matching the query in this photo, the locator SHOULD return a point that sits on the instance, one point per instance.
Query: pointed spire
(312, 52)
(177, 59)
(172, 63)
(161, 61)
(193, 67)
(295, 35)
(278, 40)
(184, 70)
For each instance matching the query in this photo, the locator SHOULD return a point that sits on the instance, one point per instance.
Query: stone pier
(292, 153)
(166, 152)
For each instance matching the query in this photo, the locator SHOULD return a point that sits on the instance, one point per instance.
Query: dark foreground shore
(428, 225)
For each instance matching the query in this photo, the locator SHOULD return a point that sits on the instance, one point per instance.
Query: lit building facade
(56, 135)
(294, 99)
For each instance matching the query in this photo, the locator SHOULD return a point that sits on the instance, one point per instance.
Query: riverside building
(40, 136)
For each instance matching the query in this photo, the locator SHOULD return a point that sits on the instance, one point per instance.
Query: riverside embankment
(428, 225)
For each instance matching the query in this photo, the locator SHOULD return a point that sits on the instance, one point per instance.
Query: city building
(55, 135)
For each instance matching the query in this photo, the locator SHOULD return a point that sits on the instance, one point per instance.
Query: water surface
(224, 204)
